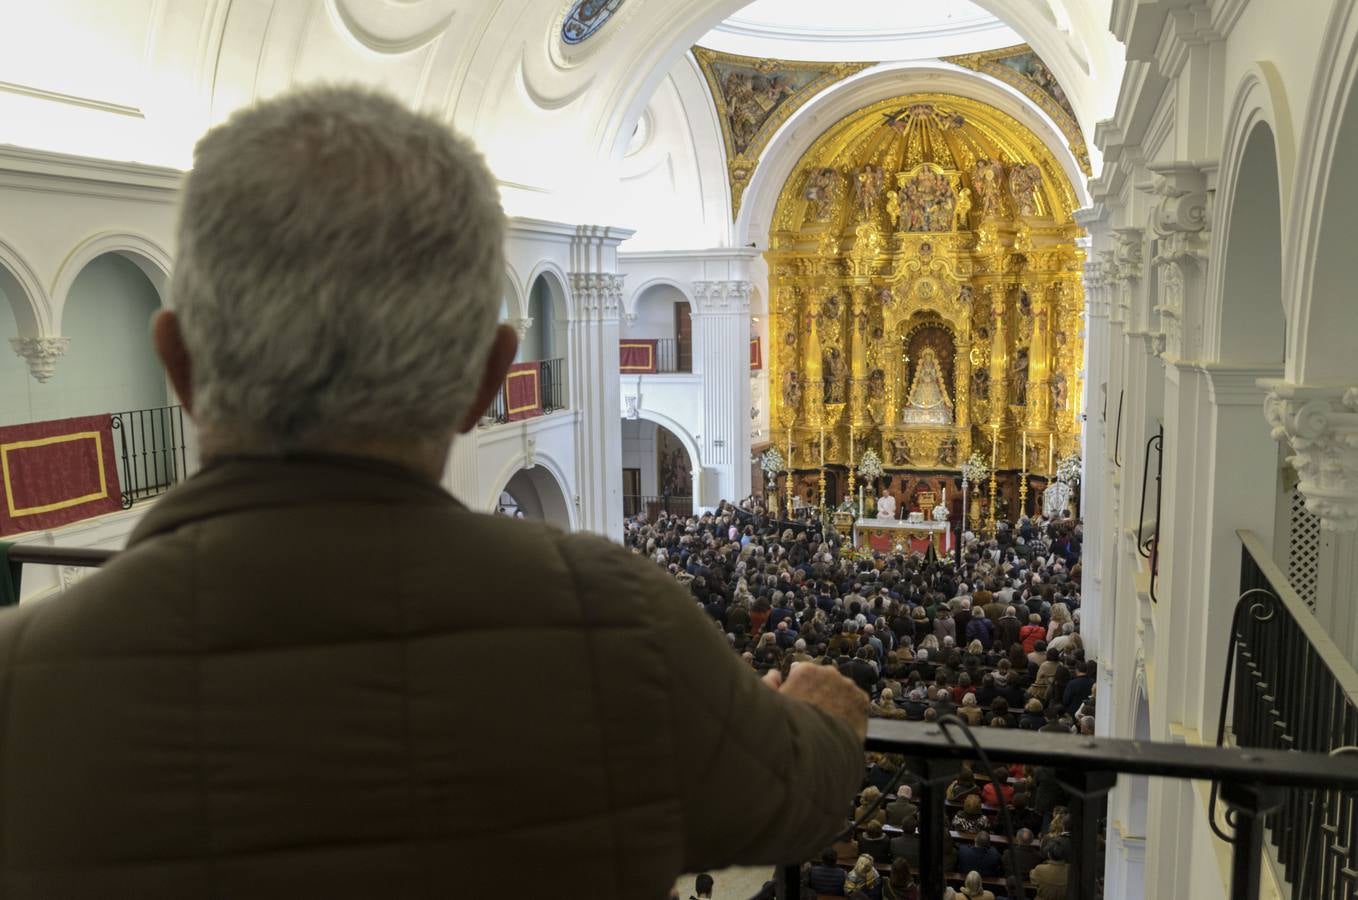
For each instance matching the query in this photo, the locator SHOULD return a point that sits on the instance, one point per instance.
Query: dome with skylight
(876, 30)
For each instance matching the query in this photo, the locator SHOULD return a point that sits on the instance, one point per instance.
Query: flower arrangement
(870, 465)
(1068, 469)
(975, 469)
(772, 462)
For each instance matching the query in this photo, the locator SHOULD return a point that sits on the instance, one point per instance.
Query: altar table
(883, 535)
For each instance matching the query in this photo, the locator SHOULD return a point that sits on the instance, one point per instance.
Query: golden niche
(926, 293)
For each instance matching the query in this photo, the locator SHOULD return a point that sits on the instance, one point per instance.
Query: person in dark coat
(827, 877)
(979, 856)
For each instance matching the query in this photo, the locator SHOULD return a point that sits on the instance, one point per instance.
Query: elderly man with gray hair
(282, 687)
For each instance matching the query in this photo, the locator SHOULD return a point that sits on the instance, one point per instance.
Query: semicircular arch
(148, 256)
(558, 284)
(31, 304)
(549, 467)
(630, 306)
(690, 445)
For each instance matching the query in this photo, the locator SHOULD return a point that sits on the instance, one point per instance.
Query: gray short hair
(340, 265)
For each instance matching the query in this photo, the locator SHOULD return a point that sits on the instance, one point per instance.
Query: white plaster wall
(639, 452)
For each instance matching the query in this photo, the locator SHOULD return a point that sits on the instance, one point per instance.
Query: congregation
(990, 638)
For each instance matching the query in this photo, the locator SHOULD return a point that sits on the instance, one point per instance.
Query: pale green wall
(110, 366)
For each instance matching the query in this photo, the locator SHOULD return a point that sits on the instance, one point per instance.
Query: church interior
(916, 272)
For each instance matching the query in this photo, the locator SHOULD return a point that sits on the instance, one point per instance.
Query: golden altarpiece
(926, 298)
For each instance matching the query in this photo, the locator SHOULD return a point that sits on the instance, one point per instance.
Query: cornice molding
(23, 168)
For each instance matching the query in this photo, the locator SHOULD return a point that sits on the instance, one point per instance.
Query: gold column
(1039, 363)
(999, 356)
(858, 395)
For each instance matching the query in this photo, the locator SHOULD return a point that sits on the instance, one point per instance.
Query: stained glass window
(585, 18)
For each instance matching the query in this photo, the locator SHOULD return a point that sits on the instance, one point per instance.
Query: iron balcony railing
(1252, 783)
(1289, 688)
(633, 505)
(551, 388)
(152, 456)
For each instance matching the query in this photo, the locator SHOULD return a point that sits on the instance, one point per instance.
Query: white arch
(153, 260)
(549, 464)
(31, 304)
(668, 31)
(518, 298)
(562, 291)
(630, 305)
(1319, 163)
(802, 130)
(690, 445)
(1260, 99)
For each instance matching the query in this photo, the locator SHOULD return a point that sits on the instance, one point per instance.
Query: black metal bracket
(1117, 439)
(1149, 547)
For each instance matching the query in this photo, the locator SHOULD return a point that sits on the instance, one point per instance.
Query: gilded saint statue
(928, 402)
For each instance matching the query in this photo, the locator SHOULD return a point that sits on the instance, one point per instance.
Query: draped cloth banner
(636, 357)
(55, 473)
(523, 392)
(756, 355)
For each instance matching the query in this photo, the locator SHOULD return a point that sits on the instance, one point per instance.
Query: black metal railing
(1288, 687)
(671, 358)
(1252, 783)
(551, 389)
(1149, 547)
(151, 451)
(633, 505)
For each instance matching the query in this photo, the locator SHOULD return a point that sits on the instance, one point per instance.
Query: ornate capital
(41, 354)
(521, 326)
(1128, 255)
(730, 297)
(1321, 424)
(599, 294)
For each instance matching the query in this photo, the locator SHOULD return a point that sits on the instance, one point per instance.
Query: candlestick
(822, 445)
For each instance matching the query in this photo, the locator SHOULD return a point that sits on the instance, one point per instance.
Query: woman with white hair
(864, 878)
(1060, 616)
(974, 889)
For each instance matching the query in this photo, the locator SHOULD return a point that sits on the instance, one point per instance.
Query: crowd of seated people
(992, 640)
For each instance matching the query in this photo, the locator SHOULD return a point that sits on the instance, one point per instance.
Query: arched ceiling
(141, 80)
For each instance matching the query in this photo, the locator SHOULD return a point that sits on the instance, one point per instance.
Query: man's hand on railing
(824, 687)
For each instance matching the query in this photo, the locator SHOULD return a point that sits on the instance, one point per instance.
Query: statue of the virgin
(928, 402)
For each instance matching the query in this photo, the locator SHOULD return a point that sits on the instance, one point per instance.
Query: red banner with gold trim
(56, 473)
(756, 354)
(636, 357)
(523, 392)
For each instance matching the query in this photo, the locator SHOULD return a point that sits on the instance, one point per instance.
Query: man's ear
(493, 378)
(169, 344)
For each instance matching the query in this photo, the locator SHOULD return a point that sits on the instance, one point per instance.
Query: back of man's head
(339, 275)
(702, 885)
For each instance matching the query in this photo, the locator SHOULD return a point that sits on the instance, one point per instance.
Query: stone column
(1320, 425)
(1093, 480)
(721, 326)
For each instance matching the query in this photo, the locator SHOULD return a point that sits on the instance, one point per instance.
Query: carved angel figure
(900, 452)
(821, 185)
(987, 179)
(1024, 182)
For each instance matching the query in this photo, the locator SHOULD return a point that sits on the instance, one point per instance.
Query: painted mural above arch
(1022, 69)
(754, 97)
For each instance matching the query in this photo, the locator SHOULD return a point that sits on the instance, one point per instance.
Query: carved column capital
(598, 294)
(41, 354)
(718, 297)
(521, 326)
(1321, 425)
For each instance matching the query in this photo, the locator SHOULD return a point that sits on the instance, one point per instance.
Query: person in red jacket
(998, 791)
(1031, 633)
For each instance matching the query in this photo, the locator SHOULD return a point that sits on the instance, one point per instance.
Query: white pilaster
(721, 336)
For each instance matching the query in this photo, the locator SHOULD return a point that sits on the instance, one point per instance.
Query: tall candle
(1024, 464)
(1051, 452)
(994, 447)
(822, 446)
(945, 496)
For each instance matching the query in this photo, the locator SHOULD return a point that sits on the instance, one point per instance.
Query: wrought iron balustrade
(1252, 782)
(1289, 688)
(151, 451)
